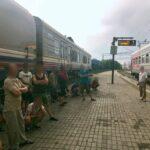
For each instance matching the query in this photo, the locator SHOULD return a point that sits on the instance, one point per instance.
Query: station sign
(113, 50)
(126, 42)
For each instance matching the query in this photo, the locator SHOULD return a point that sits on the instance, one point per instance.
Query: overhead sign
(126, 42)
(113, 50)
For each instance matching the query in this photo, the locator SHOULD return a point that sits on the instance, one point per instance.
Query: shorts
(27, 97)
(85, 87)
(43, 97)
(62, 92)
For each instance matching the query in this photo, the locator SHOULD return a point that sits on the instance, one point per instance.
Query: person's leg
(12, 129)
(82, 87)
(28, 123)
(1, 146)
(21, 128)
(89, 92)
(62, 95)
(48, 108)
(144, 92)
(141, 93)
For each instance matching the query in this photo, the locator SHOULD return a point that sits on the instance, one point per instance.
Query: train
(141, 57)
(28, 39)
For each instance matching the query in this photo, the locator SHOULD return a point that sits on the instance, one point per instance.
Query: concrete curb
(132, 82)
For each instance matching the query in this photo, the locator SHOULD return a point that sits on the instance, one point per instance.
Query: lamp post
(27, 55)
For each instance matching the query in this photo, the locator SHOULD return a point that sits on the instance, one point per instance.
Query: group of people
(28, 98)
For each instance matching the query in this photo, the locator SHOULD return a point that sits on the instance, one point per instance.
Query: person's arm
(35, 81)
(10, 86)
(85, 75)
(23, 88)
(45, 80)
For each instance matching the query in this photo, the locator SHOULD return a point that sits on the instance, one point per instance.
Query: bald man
(13, 88)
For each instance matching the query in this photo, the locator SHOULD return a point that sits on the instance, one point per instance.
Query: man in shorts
(40, 83)
(85, 83)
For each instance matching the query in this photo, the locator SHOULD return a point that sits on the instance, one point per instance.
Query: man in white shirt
(26, 77)
(142, 83)
(34, 114)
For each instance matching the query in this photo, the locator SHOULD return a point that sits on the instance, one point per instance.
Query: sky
(93, 23)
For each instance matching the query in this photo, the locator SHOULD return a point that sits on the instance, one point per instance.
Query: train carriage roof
(63, 36)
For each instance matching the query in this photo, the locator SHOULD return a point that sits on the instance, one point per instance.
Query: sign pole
(113, 66)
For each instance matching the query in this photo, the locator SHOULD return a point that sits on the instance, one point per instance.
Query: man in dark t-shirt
(40, 85)
(85, 83)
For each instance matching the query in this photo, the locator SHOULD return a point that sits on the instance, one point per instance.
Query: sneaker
(53, 119)
(36, 127)
(92, 99)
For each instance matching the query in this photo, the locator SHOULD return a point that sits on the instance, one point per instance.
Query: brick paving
(116, 121)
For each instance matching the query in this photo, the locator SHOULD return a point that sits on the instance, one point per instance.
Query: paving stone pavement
(116, 121)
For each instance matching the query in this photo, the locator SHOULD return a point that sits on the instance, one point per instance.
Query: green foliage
(104, 65)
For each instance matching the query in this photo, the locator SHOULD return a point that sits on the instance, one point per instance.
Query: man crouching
(34, 115)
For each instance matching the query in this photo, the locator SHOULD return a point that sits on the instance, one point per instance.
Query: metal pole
(27, 56)
(113, 62)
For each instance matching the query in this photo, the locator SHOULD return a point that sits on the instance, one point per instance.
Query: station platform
(117, 120)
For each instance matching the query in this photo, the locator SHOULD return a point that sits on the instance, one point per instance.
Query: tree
(104, 65)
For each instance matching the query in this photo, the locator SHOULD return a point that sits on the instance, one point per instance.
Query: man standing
(85, 83)
(40, 83)
(26, 78)
(53, 85)
(142, 83)
(13, 88)
(62, 83)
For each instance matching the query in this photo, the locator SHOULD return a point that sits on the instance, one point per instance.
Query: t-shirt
(63, 75)
(84, 77)
(142, 77)
(40, 88)
(12, 102)
(25, 77)
(52, 79)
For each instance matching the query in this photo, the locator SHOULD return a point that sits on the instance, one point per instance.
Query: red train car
(141, 57)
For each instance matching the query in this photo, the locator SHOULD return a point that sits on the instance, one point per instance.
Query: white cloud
(128, 18)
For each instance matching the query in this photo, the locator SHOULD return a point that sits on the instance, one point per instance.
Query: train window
(136, 60)
(139, 60)
(57, 47)
(78, 58)
(84, 59)
(88, 60)
(73, 56)
(65, 51)
(142, 59)
(49, 35)
(147, 58)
